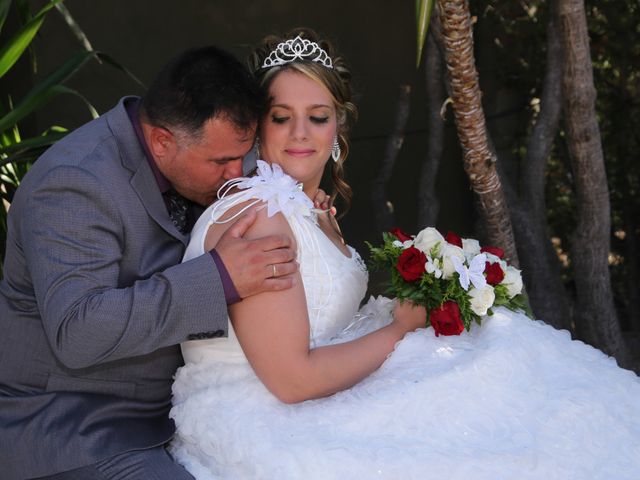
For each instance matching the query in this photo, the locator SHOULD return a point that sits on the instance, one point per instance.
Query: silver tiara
(297, 49)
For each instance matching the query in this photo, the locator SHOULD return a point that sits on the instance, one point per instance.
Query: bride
(307, 386)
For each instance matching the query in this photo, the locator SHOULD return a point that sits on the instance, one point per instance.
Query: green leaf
(22, 6)
(108, 59)
(10, 175)
(13, 49)
(62, 89)
(44, 91)
(424, 8)
(74, 27)
(4, 10)
(25, 157)
(25, 15)
(26, 106)
(31, 143)
(47, 95)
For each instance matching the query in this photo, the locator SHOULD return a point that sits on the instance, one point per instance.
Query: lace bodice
(334, 284)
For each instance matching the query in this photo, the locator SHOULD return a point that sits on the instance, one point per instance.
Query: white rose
(471, 247)
(513, 281)
(448, 251)
(481, 300)
(427, 239)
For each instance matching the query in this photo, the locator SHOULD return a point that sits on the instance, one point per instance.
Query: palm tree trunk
(541, 267)
(479, 158)
(429, 205)
(384, 215)
(596, 318)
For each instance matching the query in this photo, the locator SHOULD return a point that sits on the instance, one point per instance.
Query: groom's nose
(233, 169)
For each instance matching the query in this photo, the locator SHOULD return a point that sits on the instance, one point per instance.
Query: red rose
(446, 319)
(411, 264)
(453, 239)
(403, 237)
(498, 252)
(494, 273)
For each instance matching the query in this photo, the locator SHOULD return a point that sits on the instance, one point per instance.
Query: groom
(95, 300)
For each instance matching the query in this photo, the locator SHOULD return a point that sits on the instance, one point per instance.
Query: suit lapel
(142, 180)
(145, 186)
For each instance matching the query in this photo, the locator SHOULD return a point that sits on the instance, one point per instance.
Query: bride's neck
(310, 189)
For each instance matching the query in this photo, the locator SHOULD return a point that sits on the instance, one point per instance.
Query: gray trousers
(151, 464)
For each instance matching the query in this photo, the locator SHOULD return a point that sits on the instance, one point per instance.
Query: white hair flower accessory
(270, 185)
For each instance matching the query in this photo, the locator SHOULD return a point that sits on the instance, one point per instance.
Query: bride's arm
(273, 330)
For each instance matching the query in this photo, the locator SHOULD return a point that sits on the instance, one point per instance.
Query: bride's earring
(256, 148)
(335, 149)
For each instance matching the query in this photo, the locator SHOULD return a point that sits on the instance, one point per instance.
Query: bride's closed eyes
(316, 113)
(315, 119)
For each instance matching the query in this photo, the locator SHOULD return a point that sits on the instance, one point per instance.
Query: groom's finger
(273, 242)
(240, 226)
(280, 269)
(276, 255)
(280, 283)
(259, 264)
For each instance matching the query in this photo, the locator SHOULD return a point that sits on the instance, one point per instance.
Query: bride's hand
(409, 316)
(322, 201)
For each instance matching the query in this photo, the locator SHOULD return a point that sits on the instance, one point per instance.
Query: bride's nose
(299, 129)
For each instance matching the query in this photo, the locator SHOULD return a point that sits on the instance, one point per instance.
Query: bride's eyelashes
(281, 120)
(319, 120)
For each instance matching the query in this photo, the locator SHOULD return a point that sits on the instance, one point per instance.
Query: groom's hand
(258, 265)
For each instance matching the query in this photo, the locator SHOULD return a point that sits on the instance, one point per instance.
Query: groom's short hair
(200, 84)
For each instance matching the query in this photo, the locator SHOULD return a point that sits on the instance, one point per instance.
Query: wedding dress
(512, 398)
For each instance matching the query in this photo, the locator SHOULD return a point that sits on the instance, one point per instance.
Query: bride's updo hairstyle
(336, 79)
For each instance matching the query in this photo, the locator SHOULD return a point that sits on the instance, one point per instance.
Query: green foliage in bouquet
(424, 271)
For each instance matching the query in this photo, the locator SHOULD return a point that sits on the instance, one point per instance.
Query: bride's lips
(299, 152)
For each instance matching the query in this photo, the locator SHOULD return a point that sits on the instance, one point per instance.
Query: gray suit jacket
(93, 304)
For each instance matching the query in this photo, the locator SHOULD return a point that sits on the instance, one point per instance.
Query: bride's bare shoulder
(263, 225)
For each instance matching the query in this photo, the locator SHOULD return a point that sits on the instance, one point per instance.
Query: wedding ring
(274, 270)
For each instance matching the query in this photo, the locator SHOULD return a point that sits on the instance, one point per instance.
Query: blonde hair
(336, 80)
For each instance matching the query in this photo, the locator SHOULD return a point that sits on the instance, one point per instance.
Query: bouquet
(454, 278)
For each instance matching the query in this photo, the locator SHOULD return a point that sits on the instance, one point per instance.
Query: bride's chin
(286, 169)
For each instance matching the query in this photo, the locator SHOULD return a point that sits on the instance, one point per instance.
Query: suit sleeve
(73, 248)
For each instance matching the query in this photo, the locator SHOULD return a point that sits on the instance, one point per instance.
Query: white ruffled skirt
(513, 398)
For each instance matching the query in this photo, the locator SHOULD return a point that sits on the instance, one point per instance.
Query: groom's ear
(162, 142)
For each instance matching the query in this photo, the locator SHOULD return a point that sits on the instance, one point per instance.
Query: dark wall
(376, 37)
